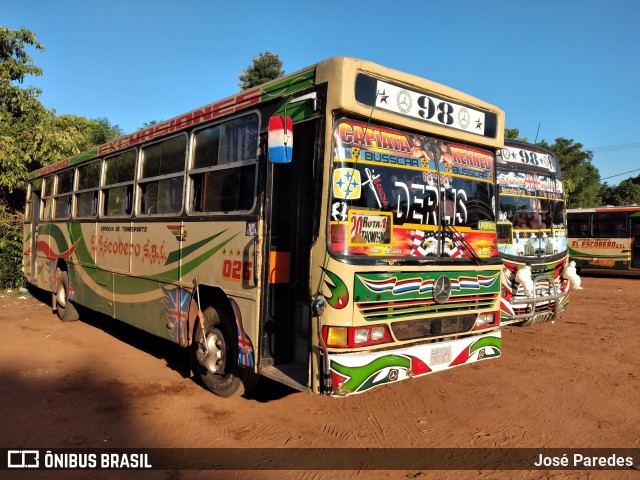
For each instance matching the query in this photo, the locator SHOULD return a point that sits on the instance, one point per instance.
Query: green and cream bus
(333, 230)
(532, 234)
(605, 237)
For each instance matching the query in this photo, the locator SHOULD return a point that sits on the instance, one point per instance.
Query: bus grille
(432, 327)
(394, 310)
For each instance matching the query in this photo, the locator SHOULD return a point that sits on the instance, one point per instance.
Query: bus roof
(608, 208)
(282, 87)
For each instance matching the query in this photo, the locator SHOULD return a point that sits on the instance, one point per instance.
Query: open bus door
(285, 329)
(635, 240)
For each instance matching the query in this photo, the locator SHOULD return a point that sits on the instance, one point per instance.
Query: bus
(332, 230)
(605, 237)
(532, 234)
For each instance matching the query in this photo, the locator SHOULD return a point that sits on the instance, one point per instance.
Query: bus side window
(117, 187)
(88, 182)
(578, 224)
(610, 224)
(223, 173)
(162, 176)
(47, 198)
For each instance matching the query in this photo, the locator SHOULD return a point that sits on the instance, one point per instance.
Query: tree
(68, 135)
(625, 193)
(30, 135)
(580, 177)
(511, 133)
(103, 131)
(266, 66)
(146, 125)
(21, 113)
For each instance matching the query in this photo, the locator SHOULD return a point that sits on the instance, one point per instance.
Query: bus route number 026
(236, 270)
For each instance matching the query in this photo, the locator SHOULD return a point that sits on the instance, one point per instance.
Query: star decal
(479, 124)
(383, 96)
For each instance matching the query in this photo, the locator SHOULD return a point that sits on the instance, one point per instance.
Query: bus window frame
(192, 172)
(103, 187)
(60, 196)
(593, 223)
(28, 208)
(141, 181)
(580, 233)
(77, 191)
(47, 196)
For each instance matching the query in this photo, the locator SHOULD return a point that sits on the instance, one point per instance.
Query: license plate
(440, 355)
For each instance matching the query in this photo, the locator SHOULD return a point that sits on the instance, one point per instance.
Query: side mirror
(280, 136)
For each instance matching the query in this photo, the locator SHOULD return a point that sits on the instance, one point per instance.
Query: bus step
(293, 375)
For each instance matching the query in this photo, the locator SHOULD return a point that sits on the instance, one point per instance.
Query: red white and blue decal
(280, 139)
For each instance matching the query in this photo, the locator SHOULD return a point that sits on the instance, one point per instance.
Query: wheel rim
(211, 352)
(62, 296)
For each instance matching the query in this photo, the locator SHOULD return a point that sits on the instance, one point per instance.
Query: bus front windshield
(401, 195)
(531, 219)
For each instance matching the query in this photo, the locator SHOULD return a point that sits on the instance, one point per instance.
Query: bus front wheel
(66, 311)
(216, 356)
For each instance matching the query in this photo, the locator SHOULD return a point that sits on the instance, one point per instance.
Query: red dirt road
(98, 383)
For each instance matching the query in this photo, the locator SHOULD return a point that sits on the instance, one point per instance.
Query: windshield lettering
(394, 192)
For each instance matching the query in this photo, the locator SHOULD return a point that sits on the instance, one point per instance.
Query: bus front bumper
(360, 371)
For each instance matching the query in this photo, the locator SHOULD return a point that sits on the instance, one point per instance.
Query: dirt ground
(98, 383)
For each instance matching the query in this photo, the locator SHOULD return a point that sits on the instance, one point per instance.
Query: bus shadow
(176, 357)
(268, 390)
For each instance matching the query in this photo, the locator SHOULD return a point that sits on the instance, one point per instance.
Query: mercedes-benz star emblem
(403, 100)
(442, 289)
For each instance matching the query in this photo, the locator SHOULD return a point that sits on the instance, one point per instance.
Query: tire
(66, 310)
(217, 363)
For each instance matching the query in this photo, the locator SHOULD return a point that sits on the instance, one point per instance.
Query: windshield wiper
(459, 239)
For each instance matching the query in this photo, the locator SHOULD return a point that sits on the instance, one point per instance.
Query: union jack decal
(177, 302)
(245, 347)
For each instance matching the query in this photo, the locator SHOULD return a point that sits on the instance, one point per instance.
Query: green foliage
(626, 193)
(581, 177)
(511, 133)
(266, 66)
(16, 62)
(69, 135)
(146, 125)
(10, 249)
(21, 113)
(30, 135)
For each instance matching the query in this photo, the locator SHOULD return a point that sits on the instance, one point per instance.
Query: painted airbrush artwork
(401, 195)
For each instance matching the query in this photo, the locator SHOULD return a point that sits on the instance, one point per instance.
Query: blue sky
(559, 68)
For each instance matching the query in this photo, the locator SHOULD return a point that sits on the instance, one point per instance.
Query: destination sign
(523, 156)
(426, 107)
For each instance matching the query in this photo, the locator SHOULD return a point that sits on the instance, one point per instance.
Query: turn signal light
(345, 337)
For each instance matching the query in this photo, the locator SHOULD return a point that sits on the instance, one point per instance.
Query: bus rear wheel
(66, 311)
(216, 356)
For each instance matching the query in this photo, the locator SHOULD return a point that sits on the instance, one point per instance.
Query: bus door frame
(634, 233)
(35, 218)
